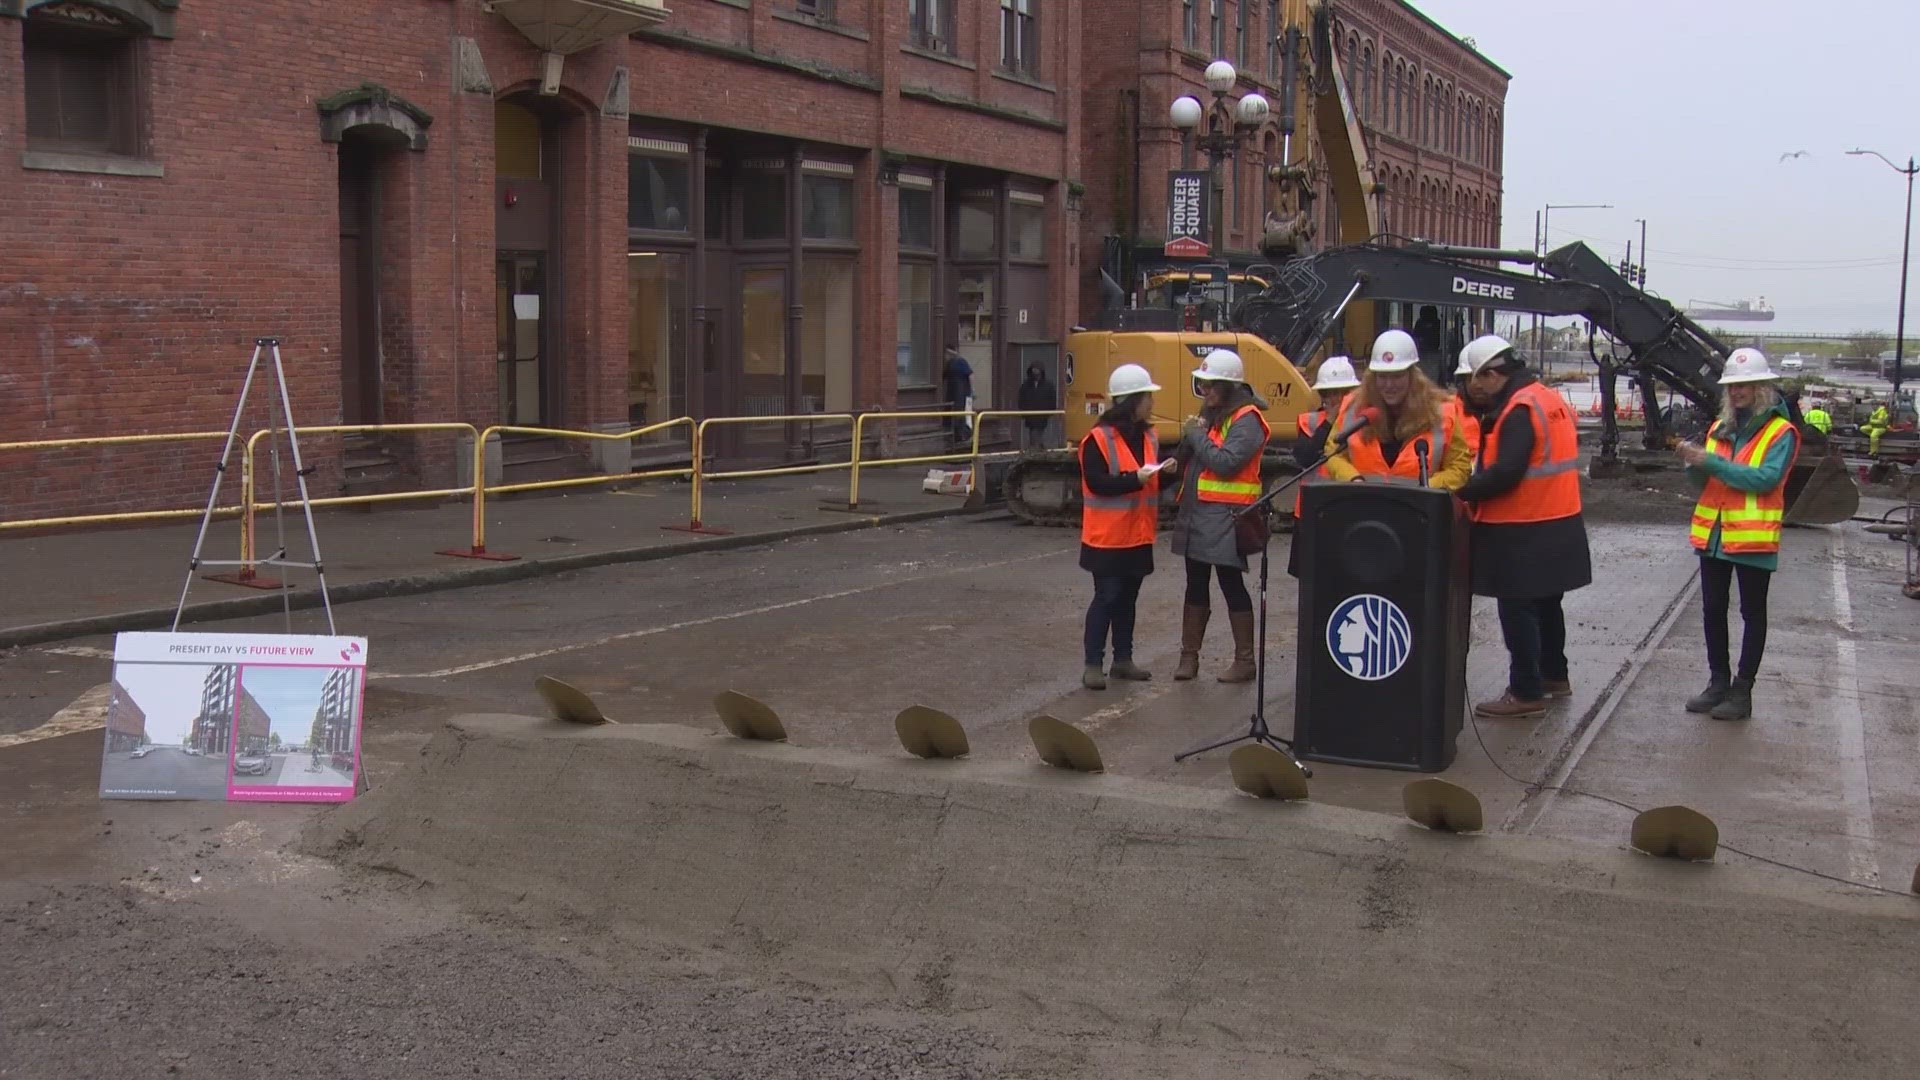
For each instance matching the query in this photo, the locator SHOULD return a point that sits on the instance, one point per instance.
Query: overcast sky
(1678, 111)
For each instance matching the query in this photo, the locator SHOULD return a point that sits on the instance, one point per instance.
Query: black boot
(1705, 700)
(1739, 702)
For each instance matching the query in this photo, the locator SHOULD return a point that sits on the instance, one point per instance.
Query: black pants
(1233, 586)
(1536, 632)
(1716, 589)
(1112, 608)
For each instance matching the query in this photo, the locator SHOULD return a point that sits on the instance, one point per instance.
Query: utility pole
(1643, 251)
(1906, 245)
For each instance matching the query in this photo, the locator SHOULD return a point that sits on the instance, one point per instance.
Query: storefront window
(656, 338)
(763, 205)
(916, 219)
(973, 236)
(828, 202)
(914, 320)
(826, 336)
(657, 194)
(1027, 231)
(763, 341)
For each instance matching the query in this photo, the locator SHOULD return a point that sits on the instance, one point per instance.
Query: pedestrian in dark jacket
(1120, 471)
(1529, 537)
(1038, 394)
(956, 378)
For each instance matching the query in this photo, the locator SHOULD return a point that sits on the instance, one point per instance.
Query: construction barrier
(859, 445)
(697, 522)
(480, 489)
(114, 518)
(249, 478)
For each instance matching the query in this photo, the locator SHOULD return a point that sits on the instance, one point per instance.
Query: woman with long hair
(1413, 414)
(1119, 519)
(1221, 450)
(1742, 471)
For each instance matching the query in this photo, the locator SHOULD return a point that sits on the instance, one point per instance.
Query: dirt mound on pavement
(1178, 928)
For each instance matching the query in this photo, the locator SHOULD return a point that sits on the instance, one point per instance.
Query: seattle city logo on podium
(1369, 637)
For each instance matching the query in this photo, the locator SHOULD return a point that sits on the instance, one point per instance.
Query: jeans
(1716, 589)
(1536, 633)
(1112, 608)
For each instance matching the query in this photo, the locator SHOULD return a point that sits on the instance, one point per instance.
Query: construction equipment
(1043, 487)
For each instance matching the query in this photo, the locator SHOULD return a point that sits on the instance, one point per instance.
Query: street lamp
(1238, 121)
(1906, 236)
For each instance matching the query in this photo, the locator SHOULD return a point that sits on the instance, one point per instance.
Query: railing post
(479, 548)
(246, 575)
(694, 523)
(859, 441)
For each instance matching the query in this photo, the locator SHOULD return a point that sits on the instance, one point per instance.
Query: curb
(444, 581)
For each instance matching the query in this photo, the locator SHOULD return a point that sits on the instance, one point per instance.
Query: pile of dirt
(1171, 921)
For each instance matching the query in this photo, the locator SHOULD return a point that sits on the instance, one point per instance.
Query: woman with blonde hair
(1413, 413)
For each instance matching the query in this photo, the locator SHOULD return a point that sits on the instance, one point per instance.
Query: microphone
(1420, 452)
(1368, 414)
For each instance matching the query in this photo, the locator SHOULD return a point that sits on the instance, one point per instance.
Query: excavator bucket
(1821, 493)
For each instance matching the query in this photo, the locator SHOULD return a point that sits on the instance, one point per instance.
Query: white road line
(708, 620)
(1855, 781)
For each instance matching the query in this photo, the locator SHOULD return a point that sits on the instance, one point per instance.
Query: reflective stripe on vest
(1550, 490)
(1307, 421)
(1243, 487)
(1119, 521)
(1364, 452)
(1749, 520)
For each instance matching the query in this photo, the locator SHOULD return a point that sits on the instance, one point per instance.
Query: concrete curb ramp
(1074, 905)
(268, 602)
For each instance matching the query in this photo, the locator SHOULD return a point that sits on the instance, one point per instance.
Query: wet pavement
(981, 618)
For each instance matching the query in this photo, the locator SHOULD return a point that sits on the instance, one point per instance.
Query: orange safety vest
(1120, 521)
(1469, 423)
(1551, 488)
(1243, 487)
(1363, 450)
(1749, 521)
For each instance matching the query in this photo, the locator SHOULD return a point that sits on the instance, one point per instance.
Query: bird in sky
(1796, 153)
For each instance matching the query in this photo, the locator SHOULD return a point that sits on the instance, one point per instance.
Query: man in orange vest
(1333, 381)
(1461, 405)
(1119, 517)
(1736, 524)
(1529, 539)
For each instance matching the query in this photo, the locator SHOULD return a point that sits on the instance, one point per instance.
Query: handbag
(1250, 533)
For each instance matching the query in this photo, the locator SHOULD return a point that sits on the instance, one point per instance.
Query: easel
(300, 471)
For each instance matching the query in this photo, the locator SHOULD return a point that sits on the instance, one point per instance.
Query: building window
(656, 337)
(657, 194)
(1240, 34)
(763, 205)
(827, 205)
(819, 9)
(1369, 77)
(1187, 22)
(1019, 45)
(827, 332)
(1026, 230)
(916, 218)
(930, 24)
(83, 88)
(1273, 41)
(1219, 29)
(973, 230)
(913, 353)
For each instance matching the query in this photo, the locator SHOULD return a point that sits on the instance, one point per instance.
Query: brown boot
(1242, 667)
(1193, 628)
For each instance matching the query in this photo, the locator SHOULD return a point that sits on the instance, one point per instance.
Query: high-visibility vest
(1119, 521)
(1749, 520)
(1243, 487)
(1469, 423)
(1363, 450)
(1818, 420)
(1550, 490)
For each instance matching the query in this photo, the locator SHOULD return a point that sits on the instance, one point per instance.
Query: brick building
(732, 207)
(126, 722)
(1428, 103)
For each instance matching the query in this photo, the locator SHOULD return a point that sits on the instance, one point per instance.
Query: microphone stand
(1257, 730)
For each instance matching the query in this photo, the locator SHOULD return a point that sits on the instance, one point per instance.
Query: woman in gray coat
(1218, 449)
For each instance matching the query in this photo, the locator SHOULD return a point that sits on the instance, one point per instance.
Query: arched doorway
(526, 231)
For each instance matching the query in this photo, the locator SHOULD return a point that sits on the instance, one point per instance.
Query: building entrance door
(520, 280)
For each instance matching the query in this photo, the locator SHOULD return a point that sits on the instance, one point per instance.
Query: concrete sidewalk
(78, 584)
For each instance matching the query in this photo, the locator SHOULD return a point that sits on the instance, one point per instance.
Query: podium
(1381, 658)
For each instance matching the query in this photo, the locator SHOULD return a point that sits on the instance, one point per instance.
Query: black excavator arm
(1665, 346)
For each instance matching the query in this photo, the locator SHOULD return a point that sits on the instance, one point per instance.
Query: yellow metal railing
(697, 520)
(972, 454)
(131, 515)
(480, 488)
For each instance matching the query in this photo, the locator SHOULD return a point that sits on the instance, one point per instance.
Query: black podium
(1381, 661)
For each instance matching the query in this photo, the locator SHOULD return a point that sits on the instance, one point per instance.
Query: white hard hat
(1129, 379)
(1480, 352)
(1394, 350)
(1222, 365)
(1747, 365)
(1336, 373)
